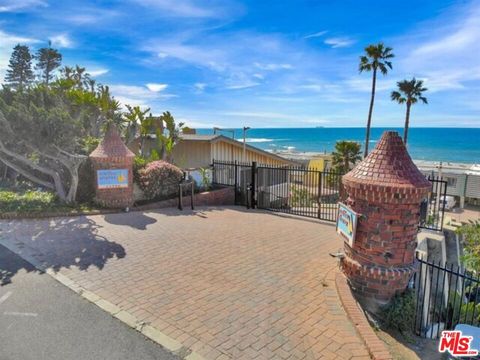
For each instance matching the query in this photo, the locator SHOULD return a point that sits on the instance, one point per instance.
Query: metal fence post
(180, 205)
(214, 174)
(192, 194)
(253, 187)
(319, 200)
(236, 183)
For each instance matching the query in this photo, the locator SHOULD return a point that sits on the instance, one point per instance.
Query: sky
(268, 63)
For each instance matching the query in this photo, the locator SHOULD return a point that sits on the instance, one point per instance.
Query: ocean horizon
(432, 144)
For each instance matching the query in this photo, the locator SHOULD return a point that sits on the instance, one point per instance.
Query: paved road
(42, 319)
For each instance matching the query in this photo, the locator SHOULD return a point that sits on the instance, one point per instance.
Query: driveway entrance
(225, 282)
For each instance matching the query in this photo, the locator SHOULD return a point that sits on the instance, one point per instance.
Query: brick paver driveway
(225, 282)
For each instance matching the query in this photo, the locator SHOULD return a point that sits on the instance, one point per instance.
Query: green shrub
(138, 164)
(206, 183)
(28, 201)
(159, 179)
(399, 314)
(301, 197)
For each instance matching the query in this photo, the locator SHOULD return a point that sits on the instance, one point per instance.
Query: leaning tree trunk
(370, 111)
(407, 123)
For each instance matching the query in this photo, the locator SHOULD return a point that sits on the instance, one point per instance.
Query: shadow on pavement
(137, 220)
(10, 264)
(57, 243)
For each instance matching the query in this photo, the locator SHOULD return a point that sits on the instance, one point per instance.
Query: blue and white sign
(111, 179)
(347, 223)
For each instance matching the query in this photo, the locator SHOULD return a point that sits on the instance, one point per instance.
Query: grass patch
(23, 201)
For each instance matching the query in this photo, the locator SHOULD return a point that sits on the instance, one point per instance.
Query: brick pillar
(386, 190)
(113, 166)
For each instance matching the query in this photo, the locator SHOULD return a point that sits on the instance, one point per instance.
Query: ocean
(433, 144)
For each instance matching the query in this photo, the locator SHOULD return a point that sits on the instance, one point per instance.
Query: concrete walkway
(226, 283)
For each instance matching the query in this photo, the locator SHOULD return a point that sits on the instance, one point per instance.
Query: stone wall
(223, 196)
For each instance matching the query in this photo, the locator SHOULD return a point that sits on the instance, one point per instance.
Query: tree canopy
(471, 245)
(345, 155)
(409, 93)
(49, 126)
(48, 59)
(376, 57)
(19, 73)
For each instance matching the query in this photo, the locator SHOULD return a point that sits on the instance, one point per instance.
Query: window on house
(451, 181)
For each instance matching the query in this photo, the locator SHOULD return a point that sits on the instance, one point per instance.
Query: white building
(463, 180)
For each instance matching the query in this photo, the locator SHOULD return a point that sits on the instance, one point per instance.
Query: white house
(463, 180)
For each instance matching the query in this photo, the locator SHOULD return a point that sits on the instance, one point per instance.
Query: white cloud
(61, 41)
(156, 87)
(364, 84)
(195, 123)
(187, 8)
(7, 43)
(242, 85)
(447, 52)
(200, 86)
(285, 117)
(273, 67)
(98, 72)
(137, 95)
(337, 42)
(12, 40)
(19, 5)
(315, 35)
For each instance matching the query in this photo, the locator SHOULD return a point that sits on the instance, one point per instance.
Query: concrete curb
(128, 319)
(375, 346)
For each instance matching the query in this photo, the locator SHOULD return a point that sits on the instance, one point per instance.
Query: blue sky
(263, 63)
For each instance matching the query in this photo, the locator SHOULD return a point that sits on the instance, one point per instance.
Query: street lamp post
(215, 129)
(245, 128)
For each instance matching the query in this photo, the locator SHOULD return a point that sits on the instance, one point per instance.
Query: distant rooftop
(448, 167)
(198, 137)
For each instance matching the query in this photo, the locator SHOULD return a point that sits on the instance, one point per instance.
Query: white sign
(347, 223)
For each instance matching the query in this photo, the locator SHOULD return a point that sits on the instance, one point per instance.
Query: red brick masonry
(375, 346)
(224, 196)
(386, 189)
(112, 153)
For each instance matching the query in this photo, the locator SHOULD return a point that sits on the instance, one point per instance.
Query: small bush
(159, 179)
(400, 313)
(301, 197)
(138, 164)
(206, 182)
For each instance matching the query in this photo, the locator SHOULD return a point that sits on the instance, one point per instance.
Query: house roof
(449, 167)
(213, 138)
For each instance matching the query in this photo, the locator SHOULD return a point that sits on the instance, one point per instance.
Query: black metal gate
(432, 209)
(307, 192)
(293, 190)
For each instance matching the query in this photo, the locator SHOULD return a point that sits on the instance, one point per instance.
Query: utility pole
(439, 190)
(245, 128)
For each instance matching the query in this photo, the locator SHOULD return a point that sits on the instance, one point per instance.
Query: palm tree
(376, 58)
(345, 155)
(409, 92)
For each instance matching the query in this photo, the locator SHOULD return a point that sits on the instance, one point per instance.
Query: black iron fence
(307, 191)
(446, 295)
(294, 190)
(432, 209)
